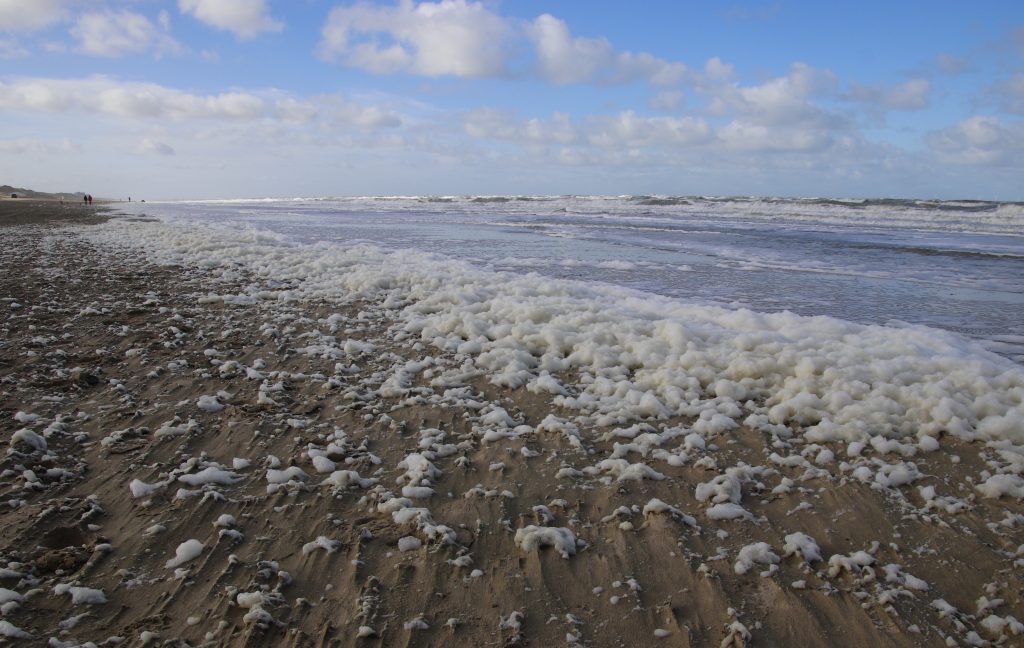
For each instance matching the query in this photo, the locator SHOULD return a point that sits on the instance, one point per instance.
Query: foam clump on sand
(186, 551)
(727, 511)
(140, 488)
(209, 404)
(292, 473)
(321, 542)
(803, 544)
(210, 475)
(656, 506)
(81, 595)
(758, 552)
(854, 563)
(342, 479)
(11, 631)
(28, 438)
(532, 538)
(999, 485)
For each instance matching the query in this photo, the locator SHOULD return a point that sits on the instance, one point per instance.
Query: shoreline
(307, 381)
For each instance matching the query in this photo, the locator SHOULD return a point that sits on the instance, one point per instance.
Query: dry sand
(92, 344)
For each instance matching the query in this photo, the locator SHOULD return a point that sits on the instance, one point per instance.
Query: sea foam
(638, 356)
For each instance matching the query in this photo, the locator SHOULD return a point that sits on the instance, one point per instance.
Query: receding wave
(491, 199)
(653, 201)
(936, 251)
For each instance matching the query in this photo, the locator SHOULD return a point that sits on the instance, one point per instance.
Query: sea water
(954, 265)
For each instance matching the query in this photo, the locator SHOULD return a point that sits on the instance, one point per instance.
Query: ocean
(953, 265)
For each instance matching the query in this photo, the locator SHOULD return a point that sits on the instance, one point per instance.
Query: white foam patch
(758, 552)
(803, 544)
(6, 596)
(28, 438)
(140, 488)
(648, 356)
(321, 542)
(81, 595)
(186, 551)
(210, 475)
(727, 511)
(532, 538)
(342, 479)
(655, 506)
(209, 404)
(8, 629)
(999, 485)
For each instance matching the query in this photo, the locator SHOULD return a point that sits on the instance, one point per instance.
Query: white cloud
(17, 15)
(565, 59)
(909, 95)
(488, 123)
(716, 70)
(629, 130)
(776, 116)
(784, 100)
(779, 114)
(981, 140)
(154, 147)
(625, 130)
(245, 18)
(113, 33)
(740, 135)
(340, 112)
(446, 38)
(147, 101)
(468, 40)
(100, 95)
(667, 101)
(294, 111)
(155, 101)
(632, 66)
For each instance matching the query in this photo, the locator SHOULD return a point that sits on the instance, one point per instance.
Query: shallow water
(955, 265)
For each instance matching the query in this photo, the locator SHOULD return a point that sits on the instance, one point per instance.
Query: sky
(167, 99)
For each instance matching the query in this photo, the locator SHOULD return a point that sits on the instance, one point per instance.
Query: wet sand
(139, 413)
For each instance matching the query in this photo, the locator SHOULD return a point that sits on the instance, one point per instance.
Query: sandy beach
(208, 456)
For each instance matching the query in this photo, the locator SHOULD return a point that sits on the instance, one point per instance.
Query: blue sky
(246, 98)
